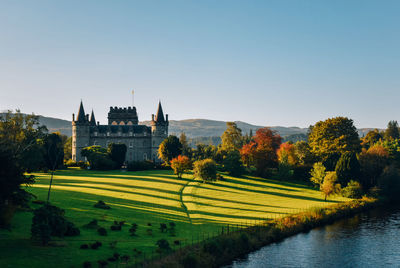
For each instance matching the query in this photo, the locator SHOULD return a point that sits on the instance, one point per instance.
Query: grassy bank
(224, 249)
(150, 197)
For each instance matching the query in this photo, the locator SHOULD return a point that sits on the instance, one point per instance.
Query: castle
(141, 141)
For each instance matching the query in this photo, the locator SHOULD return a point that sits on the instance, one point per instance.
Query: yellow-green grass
(199, 211)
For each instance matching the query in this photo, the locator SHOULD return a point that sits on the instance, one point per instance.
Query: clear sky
(288, 63)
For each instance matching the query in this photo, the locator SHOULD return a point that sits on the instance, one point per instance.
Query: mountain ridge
(193, 128)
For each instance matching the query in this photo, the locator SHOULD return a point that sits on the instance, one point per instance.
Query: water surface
(370, 239)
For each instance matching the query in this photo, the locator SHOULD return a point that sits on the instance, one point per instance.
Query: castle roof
(81, 114)
(92, 119)
(160, 114)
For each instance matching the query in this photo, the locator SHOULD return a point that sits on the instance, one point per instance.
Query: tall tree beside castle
(123, 127)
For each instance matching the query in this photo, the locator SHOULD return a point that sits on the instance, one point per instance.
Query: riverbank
(224, 249)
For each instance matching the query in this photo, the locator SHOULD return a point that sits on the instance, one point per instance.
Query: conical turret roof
(160, 114)
(81, 114)
(92, 119)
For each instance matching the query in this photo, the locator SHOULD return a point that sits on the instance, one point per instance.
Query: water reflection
(367, 240)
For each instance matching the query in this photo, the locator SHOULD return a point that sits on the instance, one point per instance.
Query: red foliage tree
(262, 151)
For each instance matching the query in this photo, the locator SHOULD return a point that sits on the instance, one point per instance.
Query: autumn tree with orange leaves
(261, 152)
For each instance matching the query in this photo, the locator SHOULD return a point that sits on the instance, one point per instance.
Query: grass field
(199, 210)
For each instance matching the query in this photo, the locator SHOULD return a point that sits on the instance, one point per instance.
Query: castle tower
(80, 133)
(159, 131)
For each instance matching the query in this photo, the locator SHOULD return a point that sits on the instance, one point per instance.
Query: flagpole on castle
(133, 99)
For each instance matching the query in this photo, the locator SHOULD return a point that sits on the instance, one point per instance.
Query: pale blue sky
(287, 63)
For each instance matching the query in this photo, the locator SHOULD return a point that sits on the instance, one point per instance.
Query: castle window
(95, 133)
(74, 143)
(144, 156)
(108, 133)
(131, 145)
(144, 134)
(131, 133)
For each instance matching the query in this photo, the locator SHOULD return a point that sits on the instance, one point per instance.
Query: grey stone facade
(141, 141)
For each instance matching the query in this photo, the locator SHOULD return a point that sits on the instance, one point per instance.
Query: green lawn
(199, 210)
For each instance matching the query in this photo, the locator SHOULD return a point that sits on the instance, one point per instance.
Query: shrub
(163, 227)
(352, 190)
(49, 221)
(133, 229)
(163, 245)
(96, 245)
(92, 224)
(98, 158)
(205, 169)
(140, 165)
(84, 246)
(82, 165)
(102, 231)
(70, 163)
(101, 204)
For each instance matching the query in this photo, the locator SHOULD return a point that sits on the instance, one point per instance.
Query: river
(371, 239)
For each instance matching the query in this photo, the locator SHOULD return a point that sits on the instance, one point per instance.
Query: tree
(347, 168)
(170, 148)
(371, 138)
(389, 183)
(372, 162)
(232, 138)
(205, 169)
(19, 135)
(180, 164)
(53, 151)
(333, 136)
(303, 153)
(117, 153)
(263, 152)
(330, 185)
(392, 131)
(233, 164)
(287, 154)
(247, 152)
(68, 149)
(53, 155)
(318, 174)
(186, 150)
(98, 158)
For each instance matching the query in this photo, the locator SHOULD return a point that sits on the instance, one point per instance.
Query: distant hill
(196, 129)
(211, 128)
(55, 124)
